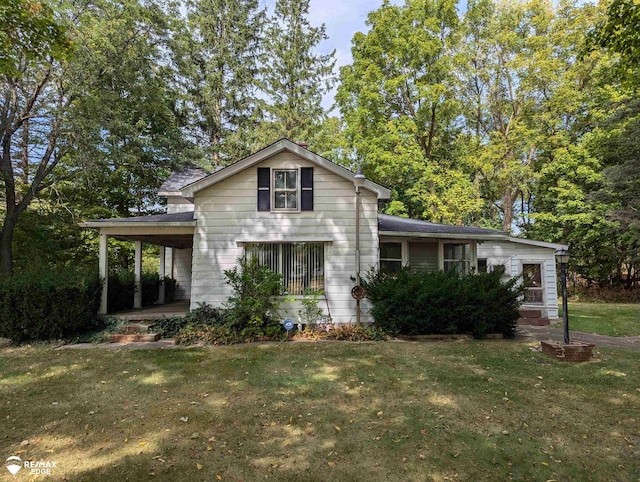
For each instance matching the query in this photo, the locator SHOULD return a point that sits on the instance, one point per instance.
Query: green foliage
(206, 334)
(47, 306)
(216, 54)
(122, 288)
(294, 76)
(311, 314)
(254, 303)
(398, 99)
(441, 303)
(203, 316)
(30, 33)
(621, 31)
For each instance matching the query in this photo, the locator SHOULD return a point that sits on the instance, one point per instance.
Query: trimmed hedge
(48, 306)
(443, 303)
(122, 288)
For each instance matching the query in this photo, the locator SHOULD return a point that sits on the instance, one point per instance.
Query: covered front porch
(173, 233)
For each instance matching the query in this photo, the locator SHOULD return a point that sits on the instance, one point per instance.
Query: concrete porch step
(533, 321)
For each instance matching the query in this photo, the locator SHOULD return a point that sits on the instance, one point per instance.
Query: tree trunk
(6, 247)
(507, 210)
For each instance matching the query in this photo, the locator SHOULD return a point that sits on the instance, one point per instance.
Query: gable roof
(181, 178)
(269, 151)
(397, 226)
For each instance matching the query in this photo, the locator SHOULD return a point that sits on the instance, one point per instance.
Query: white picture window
(285, 189)
(300, 264)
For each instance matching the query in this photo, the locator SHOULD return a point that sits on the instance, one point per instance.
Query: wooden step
(526, 313)
(533, 321)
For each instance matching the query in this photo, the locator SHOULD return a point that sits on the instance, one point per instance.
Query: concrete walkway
(555, 333)
(161, 344)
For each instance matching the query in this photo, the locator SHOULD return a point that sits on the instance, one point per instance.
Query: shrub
(342, 333)
(203, 315)
(311, 313)
(210, 335)
(48, 306)
(443, 303)
(254, 302)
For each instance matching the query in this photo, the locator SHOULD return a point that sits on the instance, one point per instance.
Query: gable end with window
(285, 190)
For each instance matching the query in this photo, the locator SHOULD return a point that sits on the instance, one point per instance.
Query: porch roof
(414, 228)
(173, 230)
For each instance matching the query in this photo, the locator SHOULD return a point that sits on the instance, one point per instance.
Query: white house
(296, 211)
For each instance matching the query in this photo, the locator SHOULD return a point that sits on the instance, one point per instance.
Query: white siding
(181, 271)
(514, 255)
(227, 213)
(178, 204)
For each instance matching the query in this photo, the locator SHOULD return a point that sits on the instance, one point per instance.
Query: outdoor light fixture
(562, 257)
(358, 182)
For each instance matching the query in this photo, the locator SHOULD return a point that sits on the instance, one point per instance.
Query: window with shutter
(264, 189)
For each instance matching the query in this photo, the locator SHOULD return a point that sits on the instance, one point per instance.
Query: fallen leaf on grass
(337, 428)
(199, 466)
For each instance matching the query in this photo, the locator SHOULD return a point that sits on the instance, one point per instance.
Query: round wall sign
(288, 324)
(358, 292)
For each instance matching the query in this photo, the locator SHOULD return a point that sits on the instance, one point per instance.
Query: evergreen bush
(443, 303)
(48, 305)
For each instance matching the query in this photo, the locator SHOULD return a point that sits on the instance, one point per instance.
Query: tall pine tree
(295, 76)
(217, 58)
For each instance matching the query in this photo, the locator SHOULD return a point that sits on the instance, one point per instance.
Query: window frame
(285, 190)
(470, 262)
(281, 264)
(401, 259)
(539, 289)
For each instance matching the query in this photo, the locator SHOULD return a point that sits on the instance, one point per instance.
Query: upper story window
(285, 189)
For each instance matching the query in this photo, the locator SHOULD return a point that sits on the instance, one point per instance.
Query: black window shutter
(264, 189)
(306, 189)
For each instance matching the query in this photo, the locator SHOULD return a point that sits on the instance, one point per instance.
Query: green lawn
(614, 319)
(471, 410)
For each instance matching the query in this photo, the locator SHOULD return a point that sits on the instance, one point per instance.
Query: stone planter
(574, 352)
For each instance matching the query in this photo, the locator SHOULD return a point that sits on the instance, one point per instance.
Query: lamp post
(562, 257)
(358, 182)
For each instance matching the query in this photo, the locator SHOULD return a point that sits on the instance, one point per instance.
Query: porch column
(137, 296)
(161, 291)
(103, 268)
